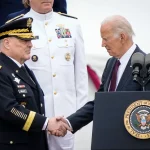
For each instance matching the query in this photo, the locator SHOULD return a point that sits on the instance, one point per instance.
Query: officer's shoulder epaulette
(63, 14)
(15, 18)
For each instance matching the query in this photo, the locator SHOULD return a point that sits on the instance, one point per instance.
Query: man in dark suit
(23, 124)
(117, 38)
(58, 6)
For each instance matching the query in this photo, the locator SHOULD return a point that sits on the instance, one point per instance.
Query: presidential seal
(137, 119)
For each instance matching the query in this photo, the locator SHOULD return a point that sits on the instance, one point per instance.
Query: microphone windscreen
(147, 61)
(137, 60)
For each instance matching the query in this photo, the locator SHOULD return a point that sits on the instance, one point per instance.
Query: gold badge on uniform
(29, 22)
(68, 56)
(34, 58)
(23, 104)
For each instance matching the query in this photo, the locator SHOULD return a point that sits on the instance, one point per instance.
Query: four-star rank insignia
(34, 58)
(68, 56)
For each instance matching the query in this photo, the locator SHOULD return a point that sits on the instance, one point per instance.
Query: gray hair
(26, 3)
(119, 24)
(1, 45)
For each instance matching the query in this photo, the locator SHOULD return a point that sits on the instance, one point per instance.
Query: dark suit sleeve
(60, 6)
(12, 112)
(82, 117)
(18, 13)
(85, 114)
(10, 16)
(7, 7)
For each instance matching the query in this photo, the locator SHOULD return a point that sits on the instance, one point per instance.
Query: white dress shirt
(123, 63)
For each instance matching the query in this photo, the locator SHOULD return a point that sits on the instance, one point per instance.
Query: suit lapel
(110, 67)
(127, 74)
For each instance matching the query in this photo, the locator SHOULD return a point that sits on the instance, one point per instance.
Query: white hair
(1, 44)
(119, 24)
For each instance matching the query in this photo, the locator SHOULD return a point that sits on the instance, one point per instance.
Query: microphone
(147, 63)
(137, 62)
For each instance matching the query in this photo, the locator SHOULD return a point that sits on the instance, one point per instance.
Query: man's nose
(103, 43)
(30, 43)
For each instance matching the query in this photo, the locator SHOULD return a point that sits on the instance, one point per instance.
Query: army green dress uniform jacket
(21, 108)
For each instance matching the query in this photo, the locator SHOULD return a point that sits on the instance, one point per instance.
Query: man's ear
(123, 37)
(6, 43)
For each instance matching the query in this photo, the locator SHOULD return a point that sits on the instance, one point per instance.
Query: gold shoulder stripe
(29, 121)
(15, 18)
(63, 14)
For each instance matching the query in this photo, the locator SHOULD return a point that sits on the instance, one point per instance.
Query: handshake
(58, 126)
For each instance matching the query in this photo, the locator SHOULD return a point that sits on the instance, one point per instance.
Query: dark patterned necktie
(26, 72)
(114, 76)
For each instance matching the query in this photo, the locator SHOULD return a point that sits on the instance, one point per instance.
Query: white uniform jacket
(58, 61)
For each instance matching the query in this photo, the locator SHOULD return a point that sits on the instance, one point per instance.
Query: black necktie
(114, 76)
(26, 72)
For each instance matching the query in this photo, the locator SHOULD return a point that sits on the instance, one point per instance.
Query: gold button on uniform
(41, 105)
(42, 114)
(52, 57)
(24, 95)
(54, 75)
(11, 142)
(55, 93)
(50, 40)
(16, 71)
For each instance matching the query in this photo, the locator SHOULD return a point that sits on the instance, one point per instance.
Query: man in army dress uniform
(23, 124)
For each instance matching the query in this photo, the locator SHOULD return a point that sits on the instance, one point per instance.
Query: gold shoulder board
(63, 14)
(15, 18)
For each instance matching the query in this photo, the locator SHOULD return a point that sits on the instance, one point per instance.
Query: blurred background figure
(7, 7)
(12, 8)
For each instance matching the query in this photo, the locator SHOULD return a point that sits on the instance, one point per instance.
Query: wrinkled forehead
(106, 31)
(107, 27)
(14, 40)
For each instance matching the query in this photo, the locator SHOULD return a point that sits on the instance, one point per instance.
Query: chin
(47, 6)
(27, 57)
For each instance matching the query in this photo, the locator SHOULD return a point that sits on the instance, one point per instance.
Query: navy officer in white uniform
(58, 62)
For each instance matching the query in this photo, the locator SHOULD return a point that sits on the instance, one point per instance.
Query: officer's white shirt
(64, 82)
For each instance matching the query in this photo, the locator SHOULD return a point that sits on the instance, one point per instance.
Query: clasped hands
(58, 126)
